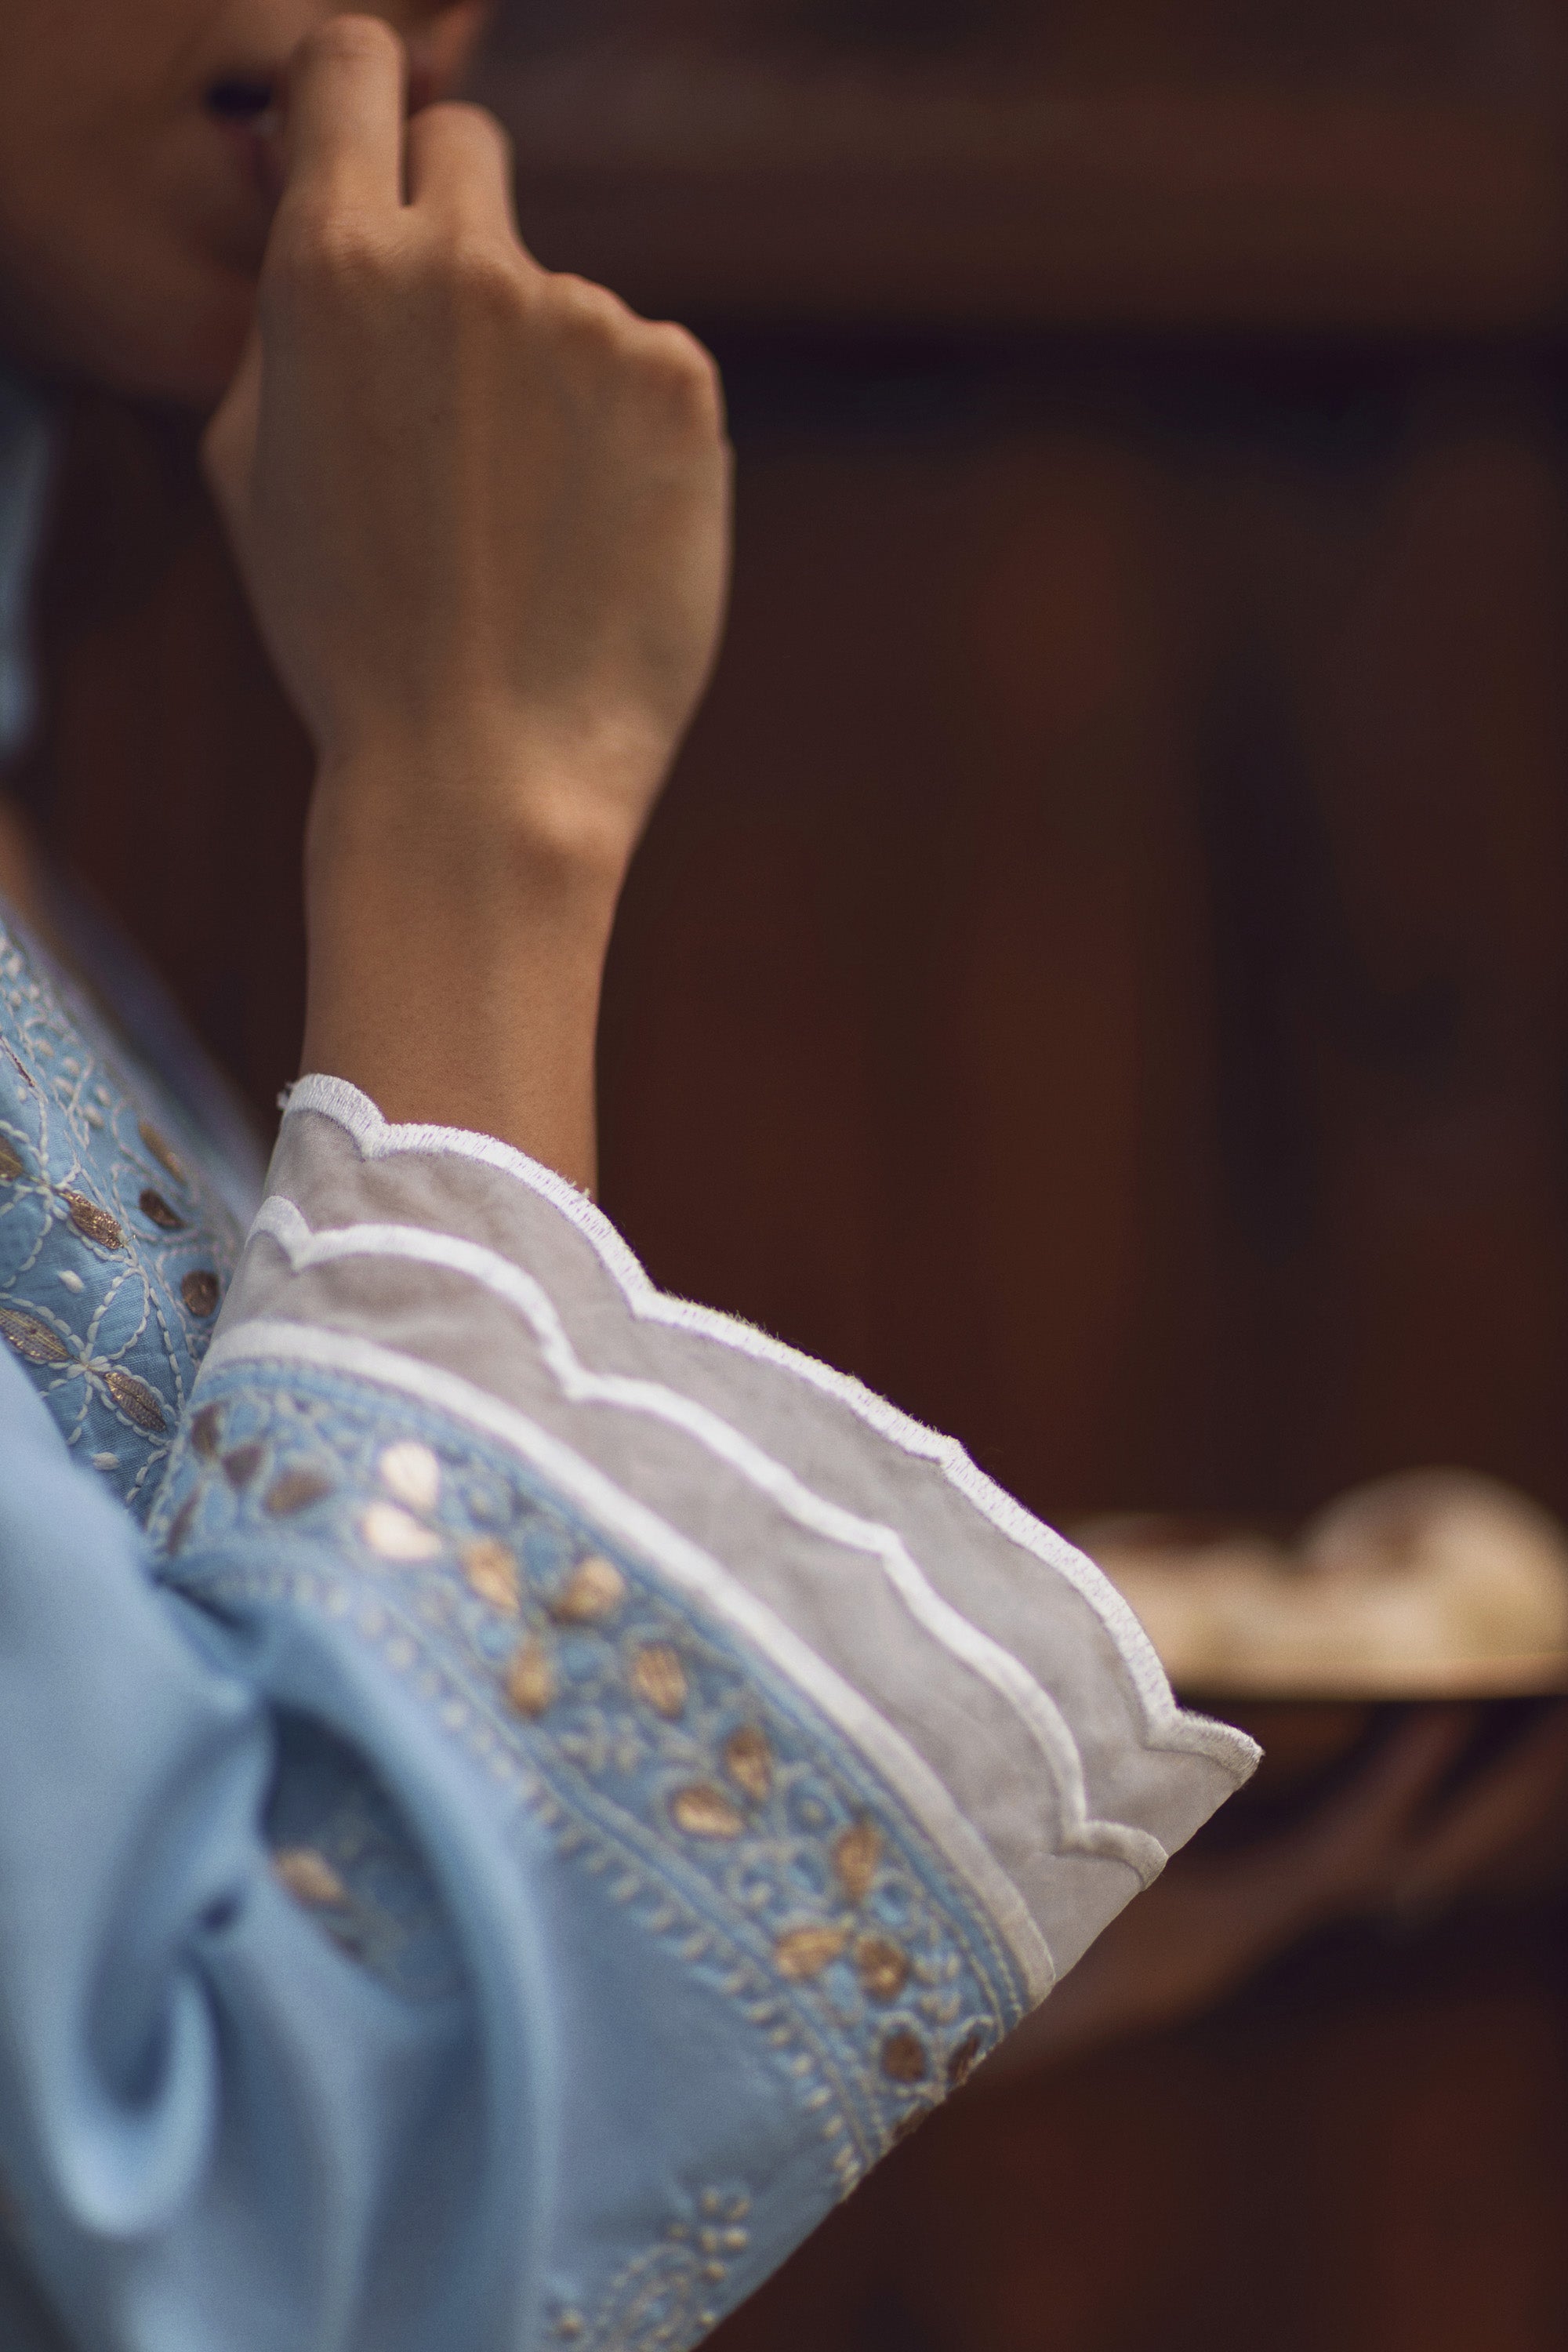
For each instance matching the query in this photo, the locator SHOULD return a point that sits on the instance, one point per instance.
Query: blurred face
(139, 169)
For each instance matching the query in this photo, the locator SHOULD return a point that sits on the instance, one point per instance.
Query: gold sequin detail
(595, 1590)
(10, 1162)
(31, 1338)
(310, 1877)
(492, 1572)
(241, 1466)
(531, 1679)
(95, 1224)
(136, 1401)
(658, 1677)
(206, 1430)
(157, 1212)
(904, 2058)
(884, 1968)
(296, 1491)
(160, 1150)
(705, 1812)
(201, 1292)
(749, 1761)
(855, 1857)
(411, 1472)
(396, 1535)
(805, 1952)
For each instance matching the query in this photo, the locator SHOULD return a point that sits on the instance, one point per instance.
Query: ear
(441, 50)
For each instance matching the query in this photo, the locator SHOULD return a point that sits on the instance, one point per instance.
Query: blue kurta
(516, 1791)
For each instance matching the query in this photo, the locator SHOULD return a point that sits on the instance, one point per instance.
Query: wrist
(483, 800)
(456, 948)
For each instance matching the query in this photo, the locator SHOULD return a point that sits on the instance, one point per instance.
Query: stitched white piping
(693, 1571)
(1167, 1725)
(281, 1219)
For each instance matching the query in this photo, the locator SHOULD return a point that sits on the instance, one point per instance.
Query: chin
(179, 342)
(192, 361)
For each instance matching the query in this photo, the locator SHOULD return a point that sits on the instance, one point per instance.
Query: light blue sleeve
(218, 2128)
(563, 1786)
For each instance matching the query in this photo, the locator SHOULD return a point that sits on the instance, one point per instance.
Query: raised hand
(482, 513)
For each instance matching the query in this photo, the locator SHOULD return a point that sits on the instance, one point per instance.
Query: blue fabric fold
(217, 2129)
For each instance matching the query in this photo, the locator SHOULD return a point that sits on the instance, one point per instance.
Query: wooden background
(1100, 970)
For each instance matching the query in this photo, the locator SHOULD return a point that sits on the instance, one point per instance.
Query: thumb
(229, 445)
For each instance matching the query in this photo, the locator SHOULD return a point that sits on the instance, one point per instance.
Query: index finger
(343, 143)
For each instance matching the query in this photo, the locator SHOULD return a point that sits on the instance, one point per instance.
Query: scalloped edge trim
(692, 1572)
(1168, 1727)
(1038, 1713)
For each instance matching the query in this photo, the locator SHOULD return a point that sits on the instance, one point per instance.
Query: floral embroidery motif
(113, 1253)
(663, 1755)
(340, 1848)
(672, 2293)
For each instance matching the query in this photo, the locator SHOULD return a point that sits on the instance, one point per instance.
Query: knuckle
(483, 275)
(323, 254)
(588, 314)
(352, 40)
(461, 118)
(686, 371)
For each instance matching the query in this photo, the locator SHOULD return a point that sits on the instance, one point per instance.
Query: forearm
(482, 511)
(456, 958)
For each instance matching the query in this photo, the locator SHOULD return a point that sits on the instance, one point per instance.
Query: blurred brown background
(1100, 973)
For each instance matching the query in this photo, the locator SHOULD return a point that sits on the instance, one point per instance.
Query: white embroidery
(1167, 1725)
(691, 1571)
(281, 1220)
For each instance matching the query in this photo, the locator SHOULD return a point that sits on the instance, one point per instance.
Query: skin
(482, 514)
(482, 511)
(133, 221)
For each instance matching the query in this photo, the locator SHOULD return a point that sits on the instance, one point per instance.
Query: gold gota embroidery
(855, 1858)
(162, 1150)
(158, 1212)
(114, 1255)
(749, 1761)
(658, 1677)
(202, 1292)
(492, 1572)
(95, 1223)
(531, 1679)
(706, 1812)
(310, 1878)
(296, 1490)
(701, 1795)
(805, 1952)
(592, 1593)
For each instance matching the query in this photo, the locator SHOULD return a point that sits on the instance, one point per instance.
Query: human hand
(482, 513)
(481, 510)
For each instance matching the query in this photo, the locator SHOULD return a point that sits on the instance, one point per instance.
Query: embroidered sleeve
(682, 1769)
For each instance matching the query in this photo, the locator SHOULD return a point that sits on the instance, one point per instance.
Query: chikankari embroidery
(672, 2292)
(662, 1754)
(114, 1252)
